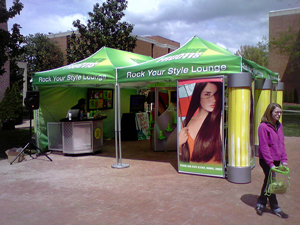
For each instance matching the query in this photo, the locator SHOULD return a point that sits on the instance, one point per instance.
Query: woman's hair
(208, 143)
(266, 118)
(81, 101)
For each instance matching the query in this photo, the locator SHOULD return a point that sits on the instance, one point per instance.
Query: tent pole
(119, 125)
(36, 119)
(116, 124)
(119, 164)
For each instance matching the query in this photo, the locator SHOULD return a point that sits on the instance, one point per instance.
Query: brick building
(153, 46)
(279, 22)
(4, 79)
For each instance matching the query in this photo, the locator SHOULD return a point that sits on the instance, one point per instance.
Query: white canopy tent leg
(116, 124)
(119, 164)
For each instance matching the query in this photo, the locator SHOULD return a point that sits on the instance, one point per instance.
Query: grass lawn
(291, 121)
(291, 107)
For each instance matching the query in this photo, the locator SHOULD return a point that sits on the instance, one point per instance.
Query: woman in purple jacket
(271, 153)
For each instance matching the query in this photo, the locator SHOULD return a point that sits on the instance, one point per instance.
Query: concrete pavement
(84, 189)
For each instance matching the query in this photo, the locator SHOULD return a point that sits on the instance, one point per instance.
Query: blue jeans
(262, 199)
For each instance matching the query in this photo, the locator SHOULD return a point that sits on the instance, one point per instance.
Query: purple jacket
(271, 143)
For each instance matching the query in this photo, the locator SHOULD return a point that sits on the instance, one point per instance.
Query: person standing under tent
(81, 106)
(271, 153)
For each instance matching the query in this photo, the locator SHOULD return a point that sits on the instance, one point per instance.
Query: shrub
(11, 105)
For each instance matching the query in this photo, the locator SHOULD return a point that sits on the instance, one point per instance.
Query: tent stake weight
(120, 165)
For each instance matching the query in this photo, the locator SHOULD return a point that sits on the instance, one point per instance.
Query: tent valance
(98, 69)
(194, 59)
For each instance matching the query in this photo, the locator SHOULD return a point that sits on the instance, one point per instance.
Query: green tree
(258, 53)
(40, 53)
(5, 36)
(103, 29)
(11, 105)
(15, 50)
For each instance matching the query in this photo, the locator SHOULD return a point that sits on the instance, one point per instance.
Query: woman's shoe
(280, 213)
(260, 209)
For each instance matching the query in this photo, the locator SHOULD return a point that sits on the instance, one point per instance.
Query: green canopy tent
(61, 88)
(194, 59)
(197, 58)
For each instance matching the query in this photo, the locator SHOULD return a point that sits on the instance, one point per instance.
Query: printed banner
(100, 99)
(142, 125)
(200, 137)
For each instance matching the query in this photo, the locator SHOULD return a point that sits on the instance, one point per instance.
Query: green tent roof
(98, 69)
(194, 59)
(259, 71)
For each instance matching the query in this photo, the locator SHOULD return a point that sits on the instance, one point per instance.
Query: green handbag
(278, 180)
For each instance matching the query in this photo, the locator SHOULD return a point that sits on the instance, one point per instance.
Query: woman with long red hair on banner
(200, 139)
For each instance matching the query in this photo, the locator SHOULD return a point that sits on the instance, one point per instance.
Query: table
(77, 136)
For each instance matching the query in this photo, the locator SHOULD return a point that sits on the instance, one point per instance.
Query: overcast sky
(229, 23)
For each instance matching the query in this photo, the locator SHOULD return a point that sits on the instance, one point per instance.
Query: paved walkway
(85, 190)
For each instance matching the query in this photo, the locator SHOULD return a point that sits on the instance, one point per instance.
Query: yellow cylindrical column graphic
(231, 127)
(239, 126)
(279, 98)
(239, 147)
(262, 98)
(245, 127)
(279, 95)
(261, 101)
(252, 151)
(274, 95)
(280, 101)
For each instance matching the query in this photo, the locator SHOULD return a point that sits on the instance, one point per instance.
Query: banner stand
(262, 98)
(240, 175)
(195, 155)
(239, 107)
(277, 94)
